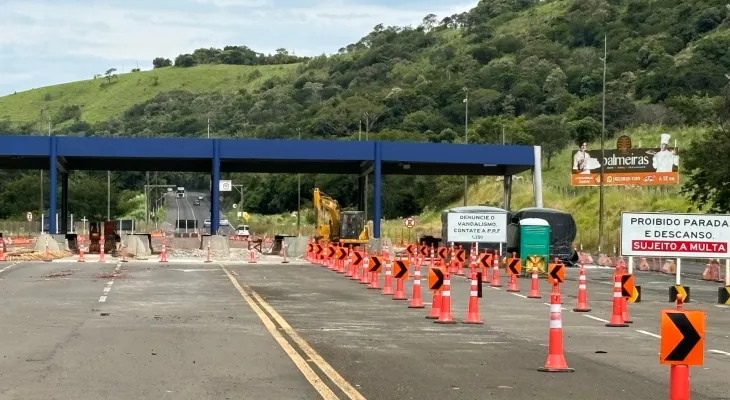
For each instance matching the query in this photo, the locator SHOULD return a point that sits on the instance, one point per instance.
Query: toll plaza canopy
(67, 153)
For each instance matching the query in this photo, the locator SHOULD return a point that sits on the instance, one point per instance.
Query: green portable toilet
(534, 239)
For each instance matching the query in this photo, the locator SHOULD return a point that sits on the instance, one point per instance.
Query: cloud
(124, 31)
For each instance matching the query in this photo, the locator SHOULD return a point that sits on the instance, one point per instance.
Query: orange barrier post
(445, 311)
(81, 255)
(625, 311)
(582, 294)
(283, 253)
(535, 286)
(495, 275)
(617, 319)
(207, 256)
(555, 361)
(472, 313)
(400, 293)
(2, 253)
(163, 254)
(124, 253)
(399, 271)
(435, 306)
(101, 249)
(366, 278)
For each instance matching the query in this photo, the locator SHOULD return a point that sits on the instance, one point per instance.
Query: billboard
(625, 165)
(675, 235)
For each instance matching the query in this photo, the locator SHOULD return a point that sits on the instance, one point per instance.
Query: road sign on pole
(225, 186)
(409, 222)
(29, 216)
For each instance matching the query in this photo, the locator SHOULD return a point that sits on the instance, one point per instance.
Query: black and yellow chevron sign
(723, 295)
(635, 295)
(675, 290)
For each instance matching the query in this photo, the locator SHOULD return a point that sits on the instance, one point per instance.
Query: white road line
(107, 289)
(596, 318)
(102, 299)
(548, 304)
(649, 333)
(716, 305)
(725, 353)
(495, 288)
(519, 295)
(7, 268)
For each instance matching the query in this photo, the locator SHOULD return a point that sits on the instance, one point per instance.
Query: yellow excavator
(336, 226)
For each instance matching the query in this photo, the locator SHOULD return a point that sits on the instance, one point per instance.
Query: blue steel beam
(52, 177)
(376, 192)
(215, 194)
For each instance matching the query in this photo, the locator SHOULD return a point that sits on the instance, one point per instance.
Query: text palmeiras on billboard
(675, 235)
(476, 227)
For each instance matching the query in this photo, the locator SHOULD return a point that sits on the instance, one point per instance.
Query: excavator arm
(324, 207)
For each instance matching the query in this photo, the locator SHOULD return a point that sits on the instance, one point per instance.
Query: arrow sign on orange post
(485, 260)
(357, 258)
(400, 269)
(683, 337)
(435, 278)
(442, 253)
(556, 273)
(460, 255)
(514, 266)
(411, 249)
(375, 263)
(627, 285)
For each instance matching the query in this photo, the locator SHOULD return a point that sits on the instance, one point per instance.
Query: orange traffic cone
(416, 301)
(555, 361)
(400, 293)
(472, 313)
(445, 312)
(512, 286)
(388, 285)
(495, 276)
(625, 311)
(365, 279)
(81, 255)
(582, 295)
(617, 319)
(2, 253)
(356, 271)
(535, 286)
(435, 306)
(374, 281)
(163, 254)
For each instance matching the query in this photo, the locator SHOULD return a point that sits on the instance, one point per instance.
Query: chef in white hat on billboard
(665, 159)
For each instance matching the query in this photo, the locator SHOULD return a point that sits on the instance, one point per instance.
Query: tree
(110, 74)
(160, 62)
(549, 132)
(708, 178)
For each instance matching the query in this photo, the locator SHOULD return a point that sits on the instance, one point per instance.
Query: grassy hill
(101, 99)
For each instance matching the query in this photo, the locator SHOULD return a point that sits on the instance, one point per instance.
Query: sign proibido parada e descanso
(675, 235)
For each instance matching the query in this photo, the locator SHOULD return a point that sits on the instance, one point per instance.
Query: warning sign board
(683, 337)
(675, 235)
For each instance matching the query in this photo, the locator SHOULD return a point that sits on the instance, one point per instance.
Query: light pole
(466, 137)
(603, 151)
(108, 195)
(299, 194)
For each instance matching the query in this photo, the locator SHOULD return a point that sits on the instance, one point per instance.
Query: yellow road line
(344, 385)
(308, 373)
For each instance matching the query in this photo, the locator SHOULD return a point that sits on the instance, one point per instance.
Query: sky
(46, 42)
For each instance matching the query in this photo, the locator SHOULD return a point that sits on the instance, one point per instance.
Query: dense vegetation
(532, 72)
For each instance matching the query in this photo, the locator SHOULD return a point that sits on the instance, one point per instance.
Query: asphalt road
(298, 331)
(184, 209)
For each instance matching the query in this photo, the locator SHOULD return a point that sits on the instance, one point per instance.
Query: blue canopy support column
(377, 183)
(361, 194)
(215, 178)
(64, 203)
(52, 187)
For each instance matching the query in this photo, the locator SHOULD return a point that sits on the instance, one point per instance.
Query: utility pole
(299, 194)
(49, 135)
(603, 151)
(208, 127)
(466, 138)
